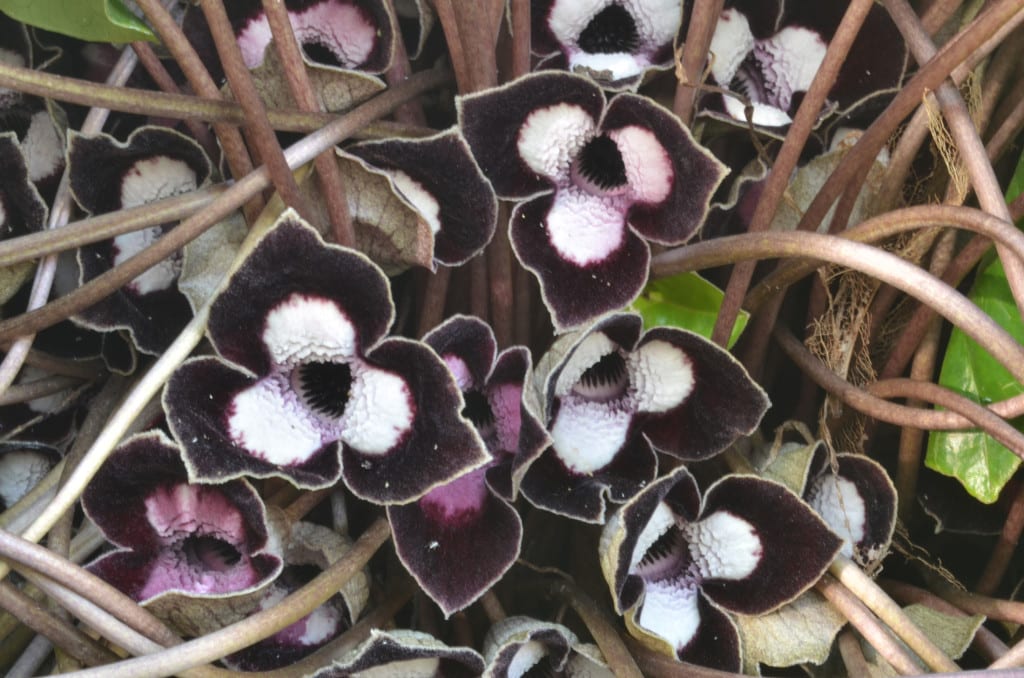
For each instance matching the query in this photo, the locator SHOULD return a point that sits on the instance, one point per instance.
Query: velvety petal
(525, 134)
(691, 181)
(440, 445)
(724, 404)
(858, 501)
(439, 177)
(198, 401)
(293, 271)
(356, 34)
(15, 50)
(105, 176)
(515, 646)
(550, 485)
(457, 541)
(628, 534)
(796, 546)
(467, 345)
(409, 654)
(196, 539)
(574, 293)
(22, 210)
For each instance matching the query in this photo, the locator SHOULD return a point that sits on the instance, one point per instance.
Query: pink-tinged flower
(106, 176)
(177, 540)
(596, 181)
(306, 387)
(614, 395)
(460, 538)
(408, 654)
(613, 41)
(676, 563)
(768, 51)
(351, 34)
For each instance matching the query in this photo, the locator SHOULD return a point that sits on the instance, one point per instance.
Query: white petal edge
(155, 178)
(304, 329)
(380, 411)
(662, 376)
(20, 471)
(660, 522)
(657, 21)
(42, 146)
(525, 658)
(618, 65)
(732, 42)
(419, 197)
(724, 546)
(568, 18)
(551, 137)
(156, 279)
(424, 667)
(586, 436)
(587, 353)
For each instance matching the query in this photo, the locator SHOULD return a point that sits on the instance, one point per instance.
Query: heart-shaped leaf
(93, 20)
(687, 301)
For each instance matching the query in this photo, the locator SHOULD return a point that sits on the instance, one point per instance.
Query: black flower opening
(612, 30)
(666, 558)
(319, 52)
(325, 386)
(478, 410)
(605, 380)
(206, 552)
(600, 163)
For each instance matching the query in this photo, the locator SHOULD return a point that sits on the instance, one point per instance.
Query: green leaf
(982, 465)
(93, 20)
(687, 301)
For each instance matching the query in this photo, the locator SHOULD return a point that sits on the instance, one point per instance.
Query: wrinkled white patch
(321, 624)
(156, 279)
(154, 179)
(586, 436)
(617, 65)
(304, 329)
(790, 60)
(552, 137)
(457, 366)
(661, 375)
(180, 510)
(48, 403)
(661, 520)
(648, 167)
(568, 18)
(525, 658)
(669, 610)
(839, 503)
(338, 26)
(730, 45)
(420, 198)
(20, 472)
(10, 58)
(585, 229)
(723, 546)
(656, 20)
(379, 412)
(425, 667)
(587, 353)
(761, 114)
(42, 147)
(271, 422)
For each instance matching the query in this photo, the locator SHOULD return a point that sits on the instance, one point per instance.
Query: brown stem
(703, 21)
(22, 393)
(332, 185)
(853, 656)
(230, 138)
(257, 125)
(1004, 548)
(299, 154)
(619, 659)
(434, 300)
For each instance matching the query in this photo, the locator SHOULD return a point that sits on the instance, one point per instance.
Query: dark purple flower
(768, 51)
(675, 563)
(597, 181)
(305, 373)
(460, 538)
(613, 41)
(613, 395)
(177, 540)
(106, 176)
(519, 647)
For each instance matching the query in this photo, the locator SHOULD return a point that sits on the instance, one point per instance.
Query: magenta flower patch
(615, 395)
(613, 41)
(596, 179)
(471, 519)
(305, 373)
(676, 563)
(176, 537)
